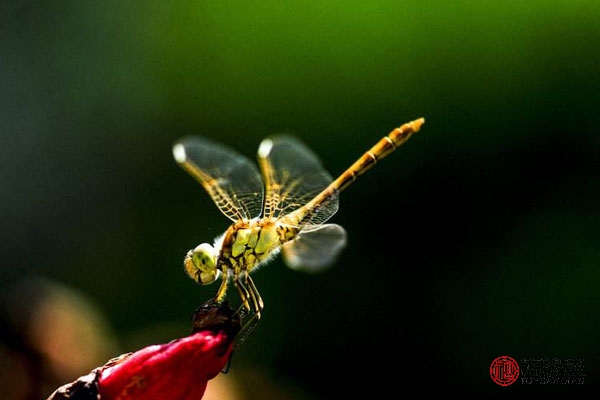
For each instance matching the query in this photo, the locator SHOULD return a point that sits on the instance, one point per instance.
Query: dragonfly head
(201, 264)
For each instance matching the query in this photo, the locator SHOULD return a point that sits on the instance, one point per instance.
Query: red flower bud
(178, 370)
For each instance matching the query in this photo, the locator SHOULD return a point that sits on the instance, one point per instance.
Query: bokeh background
(478, 238)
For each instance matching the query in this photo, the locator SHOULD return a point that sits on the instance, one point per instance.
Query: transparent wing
(231, 179)
(316, 249)
(293, 175)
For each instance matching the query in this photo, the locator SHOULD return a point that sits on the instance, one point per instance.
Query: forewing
(231, 179)
(293, 175)
(316, 249)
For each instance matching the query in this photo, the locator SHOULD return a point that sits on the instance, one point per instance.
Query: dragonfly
(280, 207)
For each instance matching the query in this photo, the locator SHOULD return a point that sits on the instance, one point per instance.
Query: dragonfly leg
(247, 329)
(245, 295)
(251, 306)
(220, 295)
(249, 294)
(256, 299)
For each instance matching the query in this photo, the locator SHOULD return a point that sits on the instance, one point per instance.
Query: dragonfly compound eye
(200, 264)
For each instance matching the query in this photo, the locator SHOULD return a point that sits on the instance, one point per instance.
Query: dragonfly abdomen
(381, 149)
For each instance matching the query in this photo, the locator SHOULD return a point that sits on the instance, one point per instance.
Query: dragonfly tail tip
(416, 124)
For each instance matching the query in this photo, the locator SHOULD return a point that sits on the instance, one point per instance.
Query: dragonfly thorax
(246, 244)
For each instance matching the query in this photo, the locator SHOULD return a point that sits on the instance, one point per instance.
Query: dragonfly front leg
(220, 295)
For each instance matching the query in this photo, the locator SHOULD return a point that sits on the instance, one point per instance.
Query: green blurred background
(478, 238)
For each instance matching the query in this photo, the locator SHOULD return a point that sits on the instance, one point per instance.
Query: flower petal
(176, 370)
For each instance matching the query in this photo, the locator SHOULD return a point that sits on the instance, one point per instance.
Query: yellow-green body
(247, 243)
